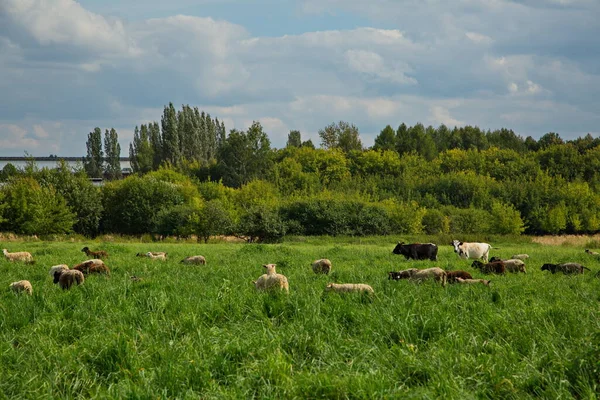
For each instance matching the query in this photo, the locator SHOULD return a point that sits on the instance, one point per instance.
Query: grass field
(204, 332)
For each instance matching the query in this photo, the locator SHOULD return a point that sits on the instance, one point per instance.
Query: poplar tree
(94, 159)
(170, 136)
(113, 154)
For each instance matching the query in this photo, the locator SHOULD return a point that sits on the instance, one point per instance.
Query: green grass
(203, 331)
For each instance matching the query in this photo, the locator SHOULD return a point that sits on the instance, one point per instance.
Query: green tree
(343, 136)
(386, 140)
(213, 219)
(294, 139)
(170, 136)
(94, 161)
(113, 154)
(245, 156)
(156, 144)
(7, 172)
(141, 153)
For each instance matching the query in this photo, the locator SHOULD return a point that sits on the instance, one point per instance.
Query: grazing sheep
(67, 278)
(322, 266)
(451, 276)
(96, 254)
(23, 256)
(154, 255)
(472, 281)
(592, 253)
(94, 266)
(60, 267)
(512, 265)
(496, 267)
(197, 260)
(349, 287)
(565, 268)
(522, 257)
(271, 280)
(22, 286)
(434, 273)
(135, 278)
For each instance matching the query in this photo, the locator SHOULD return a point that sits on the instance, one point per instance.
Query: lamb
(94, 266)
(23, 256)
(512, 265)
(271, 280)
(194, 260)
(592, 253)
(434, 273)
(472, 281)
(522, 257)
(154, 255)
(322, 266)
(566, 268)
(451, 276)
(96, 254)
(496, 267)
(60, 267)
(67, 278)
(22, 286)
(349, 287)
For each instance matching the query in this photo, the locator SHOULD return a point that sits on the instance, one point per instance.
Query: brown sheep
(22, 286)
(452, 275)
(322, 266)
(101, 254)
(512, 265)
(496, 267)
(92, 267)
(66, 279)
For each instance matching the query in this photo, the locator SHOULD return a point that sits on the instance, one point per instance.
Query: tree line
(191, 177)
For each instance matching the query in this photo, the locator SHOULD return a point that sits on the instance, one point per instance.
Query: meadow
(204, 332)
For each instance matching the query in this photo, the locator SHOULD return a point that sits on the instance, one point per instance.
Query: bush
(262, 223)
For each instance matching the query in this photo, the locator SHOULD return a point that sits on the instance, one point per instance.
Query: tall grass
(203, 331)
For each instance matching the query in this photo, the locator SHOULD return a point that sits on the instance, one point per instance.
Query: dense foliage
(415, 179)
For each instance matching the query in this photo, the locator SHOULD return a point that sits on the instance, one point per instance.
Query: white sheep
(520, 257)
(56, 268)
(349, 287)
(271, 280)
(18, 256)
(322, 266)
(22, 286)
(198, 260)
(156, 256)
(486, 282)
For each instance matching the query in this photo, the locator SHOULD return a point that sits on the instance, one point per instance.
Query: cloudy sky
(67, 67)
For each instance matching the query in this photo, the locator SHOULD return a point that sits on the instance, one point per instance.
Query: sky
(66, 66)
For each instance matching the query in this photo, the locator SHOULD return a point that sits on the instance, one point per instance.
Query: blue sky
(66, 67)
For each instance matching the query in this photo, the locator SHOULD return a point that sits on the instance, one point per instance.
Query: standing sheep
(322, 266)
(197, 260)
(271, 280)
(23, 256)
(435, 273)
(512, 265)
(67, 278)
(22, 286)
(96, 254)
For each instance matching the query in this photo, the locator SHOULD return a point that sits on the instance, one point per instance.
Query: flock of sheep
(66, 277)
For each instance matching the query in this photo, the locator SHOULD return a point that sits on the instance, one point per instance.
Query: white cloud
(372, 64)
(441, 115)
(478, 38)
(14, 137)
